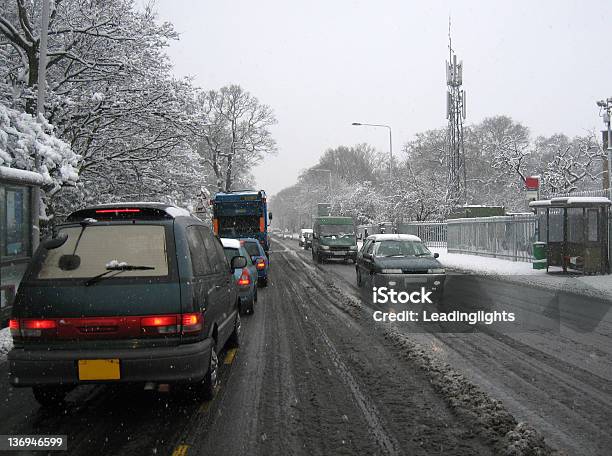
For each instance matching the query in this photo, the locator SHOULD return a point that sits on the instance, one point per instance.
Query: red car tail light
(192, 323)
(245, 278)
(260, 263)
(159, 324)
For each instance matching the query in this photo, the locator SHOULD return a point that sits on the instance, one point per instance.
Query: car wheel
(251, 308)
(236, 337)
(263, 282)
(359, 279)
(50, 396)
(209, 384)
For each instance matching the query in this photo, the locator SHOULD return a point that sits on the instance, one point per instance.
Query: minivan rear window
(104, 246)
(252, 248)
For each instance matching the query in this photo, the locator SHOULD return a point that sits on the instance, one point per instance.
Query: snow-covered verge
(6, 343)
(523, 272)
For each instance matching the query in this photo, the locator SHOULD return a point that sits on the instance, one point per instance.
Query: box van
(334, 237)
(124, 293)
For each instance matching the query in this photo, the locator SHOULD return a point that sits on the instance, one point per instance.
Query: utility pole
(605, 111)
(42, 58)
(455, 113)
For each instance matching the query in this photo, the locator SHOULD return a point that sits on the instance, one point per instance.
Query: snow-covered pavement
(518, 271)
(6, 343)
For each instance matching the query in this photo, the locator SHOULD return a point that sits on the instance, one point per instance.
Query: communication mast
(455, 113)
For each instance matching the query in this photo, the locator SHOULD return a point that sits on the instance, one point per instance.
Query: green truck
(334, 237)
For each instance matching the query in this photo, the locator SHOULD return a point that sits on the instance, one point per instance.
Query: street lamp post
(359, 124)
(330, 178)
(606, 106)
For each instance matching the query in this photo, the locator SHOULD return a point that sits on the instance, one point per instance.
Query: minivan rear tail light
(245, 278)
(260, 263)
(192, 323)
(159, 324)
(262, 225)
(33, 327)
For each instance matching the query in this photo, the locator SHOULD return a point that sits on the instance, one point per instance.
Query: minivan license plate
(99, 369)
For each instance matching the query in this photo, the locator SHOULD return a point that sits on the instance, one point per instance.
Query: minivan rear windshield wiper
(118, 269)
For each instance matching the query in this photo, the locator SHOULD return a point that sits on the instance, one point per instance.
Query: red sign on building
(532, 182)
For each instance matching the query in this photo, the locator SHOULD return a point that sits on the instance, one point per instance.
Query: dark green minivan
(124, 293)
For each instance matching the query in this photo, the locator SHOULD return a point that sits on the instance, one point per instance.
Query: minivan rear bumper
(188, 362)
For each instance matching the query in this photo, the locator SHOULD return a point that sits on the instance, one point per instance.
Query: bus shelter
(575, 230)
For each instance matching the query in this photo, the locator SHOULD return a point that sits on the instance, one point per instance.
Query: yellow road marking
(180, 450)
(231, 354)
(205, 406)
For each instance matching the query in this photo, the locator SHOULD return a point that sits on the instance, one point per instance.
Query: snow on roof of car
(394, 237)
(306, 230)
(230, 243)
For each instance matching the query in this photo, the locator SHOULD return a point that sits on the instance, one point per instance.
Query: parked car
(245, 277)
(259, 258)
(399, 261)
(305, 238)
(124, 293)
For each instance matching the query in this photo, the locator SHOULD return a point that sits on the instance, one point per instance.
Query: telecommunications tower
(455, 113)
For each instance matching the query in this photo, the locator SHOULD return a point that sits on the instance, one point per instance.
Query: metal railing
(432, 233)
(507, 237)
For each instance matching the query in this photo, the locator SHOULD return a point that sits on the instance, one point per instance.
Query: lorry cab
(242, 214)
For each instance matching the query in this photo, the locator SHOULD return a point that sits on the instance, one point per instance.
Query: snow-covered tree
(234, 132)
(28, 143)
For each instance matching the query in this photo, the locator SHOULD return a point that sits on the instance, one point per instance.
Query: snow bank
(6, 343)
(518, 271)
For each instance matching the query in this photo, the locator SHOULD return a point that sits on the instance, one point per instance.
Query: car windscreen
(252, 248)
(92, 250)
(337, 230)
(400, 248)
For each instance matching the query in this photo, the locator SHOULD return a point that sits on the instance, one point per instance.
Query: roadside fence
(506, 237)
(432, 233)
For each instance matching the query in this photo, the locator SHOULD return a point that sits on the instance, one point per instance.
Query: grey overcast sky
(322, 64)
